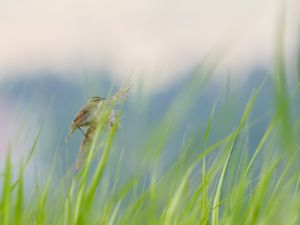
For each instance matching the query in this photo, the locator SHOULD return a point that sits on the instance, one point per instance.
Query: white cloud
(161, 37)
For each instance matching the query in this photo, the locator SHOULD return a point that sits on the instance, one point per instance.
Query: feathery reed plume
(90, 117)
(88, 114)
(84, 148)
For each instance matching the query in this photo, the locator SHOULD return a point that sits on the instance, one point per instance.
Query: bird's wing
(78, 121)
(81, 117)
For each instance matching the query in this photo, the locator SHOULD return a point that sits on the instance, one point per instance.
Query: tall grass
(224, 181)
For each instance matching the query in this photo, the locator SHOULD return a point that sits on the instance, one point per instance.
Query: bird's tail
(69, 135)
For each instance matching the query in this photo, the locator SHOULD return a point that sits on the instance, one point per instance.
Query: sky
(159, 41)
(156, 38)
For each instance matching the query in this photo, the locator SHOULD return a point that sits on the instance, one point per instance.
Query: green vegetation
(224, 181)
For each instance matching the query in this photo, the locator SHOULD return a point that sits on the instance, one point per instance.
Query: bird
(88, 114)
(85, 116)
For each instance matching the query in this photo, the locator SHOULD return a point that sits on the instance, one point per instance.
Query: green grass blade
(6, 192)
(19, 200)
(173, 205)
(217, 198)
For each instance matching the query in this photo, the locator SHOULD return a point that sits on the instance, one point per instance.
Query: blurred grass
(216, 182)
(225, 182)
(231, 186)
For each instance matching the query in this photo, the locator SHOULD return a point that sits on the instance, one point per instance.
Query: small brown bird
(89, 113)
(86, 115)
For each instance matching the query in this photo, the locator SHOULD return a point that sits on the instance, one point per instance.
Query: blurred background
(55, 54)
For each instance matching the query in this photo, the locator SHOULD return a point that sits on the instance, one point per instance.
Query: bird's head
(95, 99)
